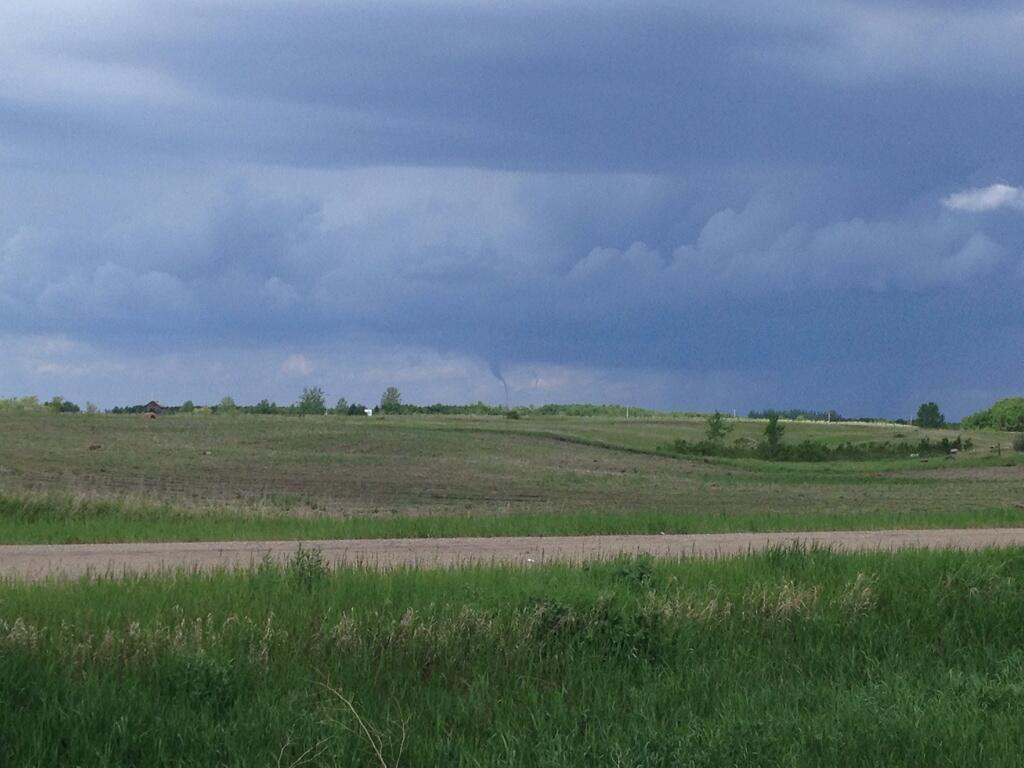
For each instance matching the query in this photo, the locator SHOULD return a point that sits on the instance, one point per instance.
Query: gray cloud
(698, 195)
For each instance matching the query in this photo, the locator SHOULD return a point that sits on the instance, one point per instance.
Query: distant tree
(391, 400)
(717, 428)
(341, 407)
(773, 435)
(929, 416)
(312, 402)
(58, 404)
(188, 406)
(357, 409)
(264, 406)
(1007, 414)
(91, 408)
(227, 405)
(28, 404)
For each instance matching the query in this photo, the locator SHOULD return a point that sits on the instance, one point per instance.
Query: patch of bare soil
(40, 561)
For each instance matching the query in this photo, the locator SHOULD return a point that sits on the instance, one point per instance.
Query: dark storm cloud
(830, 190)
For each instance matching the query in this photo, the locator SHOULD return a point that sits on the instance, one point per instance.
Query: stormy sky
(687, 205)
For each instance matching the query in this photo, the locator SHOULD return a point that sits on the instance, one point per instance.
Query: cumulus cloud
(297, 365)
(990, 198)
(466, 262)
(542, 190)
(743, 254)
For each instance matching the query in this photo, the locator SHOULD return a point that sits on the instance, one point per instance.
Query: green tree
(227, 405)
(91, 408)
(391, 400)
(929, 416)
(312, 402)
(28, 404)
(773, 435)
(717, 428)
(188, 406)
(60, 405)
(341, 407)
(1007, 414)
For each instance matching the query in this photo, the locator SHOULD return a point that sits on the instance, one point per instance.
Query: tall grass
(69, 520)
(786, 658)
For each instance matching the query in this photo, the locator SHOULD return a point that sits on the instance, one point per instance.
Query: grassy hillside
(81, 478)
(787, 658)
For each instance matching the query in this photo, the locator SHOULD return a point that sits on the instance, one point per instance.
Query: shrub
(773, 432)
(307, 567)
(815, 450)
(717, 428)
(1018, 443)
(312, 402)
(1007, 414)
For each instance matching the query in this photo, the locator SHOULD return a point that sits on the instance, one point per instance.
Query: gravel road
(35, 562)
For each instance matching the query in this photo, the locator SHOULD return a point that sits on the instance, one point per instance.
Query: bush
(773, 432)
(1018, 443)
(307, 567)
(717, 428)
(815, 450)
(1007, 414)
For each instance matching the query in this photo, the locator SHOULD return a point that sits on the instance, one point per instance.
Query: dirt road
(34, 562)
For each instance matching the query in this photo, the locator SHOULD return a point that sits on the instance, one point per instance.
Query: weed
(307, 567)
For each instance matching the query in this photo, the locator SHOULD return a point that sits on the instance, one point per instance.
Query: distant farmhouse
(153, 407)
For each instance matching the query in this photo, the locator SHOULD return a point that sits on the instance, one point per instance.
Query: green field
(122, 478)
(789, 658)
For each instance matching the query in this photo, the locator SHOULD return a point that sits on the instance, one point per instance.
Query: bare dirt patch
(37, 562)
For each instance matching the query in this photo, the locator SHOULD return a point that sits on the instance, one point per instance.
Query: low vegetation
(1006, 415)
(74, 478)
(816, 450)
(63, 520)
(796, 658)
(772, 448)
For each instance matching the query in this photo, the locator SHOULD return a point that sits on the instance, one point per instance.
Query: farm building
(153, 407)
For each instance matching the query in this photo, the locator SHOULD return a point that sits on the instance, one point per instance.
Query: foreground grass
(786, 658)
(62, 520)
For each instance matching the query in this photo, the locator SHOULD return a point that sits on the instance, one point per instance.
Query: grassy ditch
(786, 658)
(66, 520)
